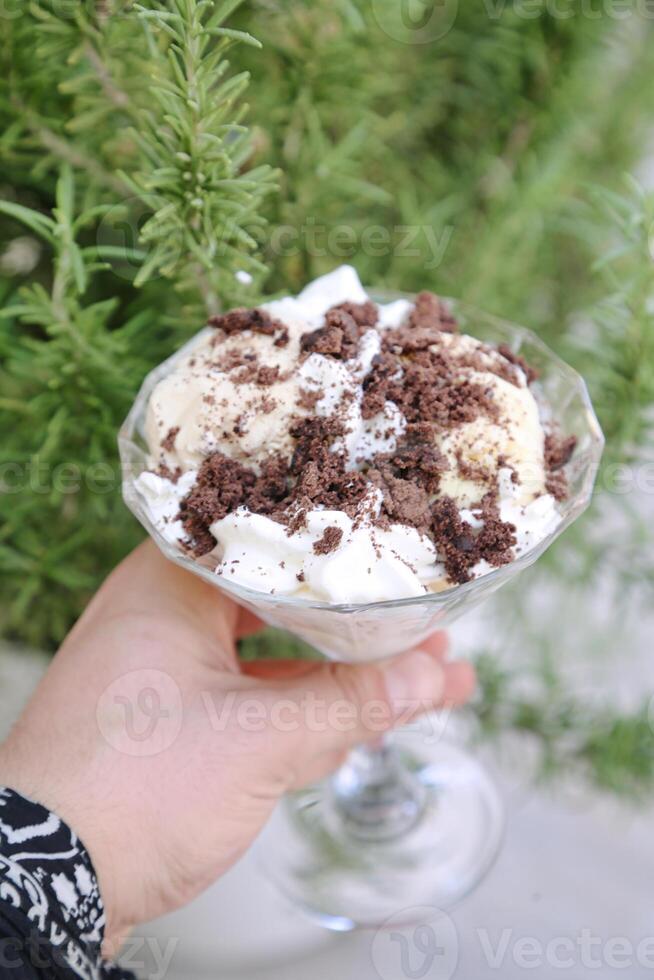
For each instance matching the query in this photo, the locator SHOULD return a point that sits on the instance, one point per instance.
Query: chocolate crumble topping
(430, 311)
(168, 474)
(377, 382)
(267, 375)
(517, 359)
(235, 321)
(330, 540)
(339, 337)
(364, 314)
(462, 546)
(324, 340)
(424, 374)
(256, 320)
(309, 399)
(557, 485)
(404, 501)
(168, 442)
(558, 452)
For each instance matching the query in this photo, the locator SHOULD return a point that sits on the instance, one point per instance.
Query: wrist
(39, 783)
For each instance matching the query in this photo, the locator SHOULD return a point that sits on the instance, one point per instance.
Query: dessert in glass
(361, 470)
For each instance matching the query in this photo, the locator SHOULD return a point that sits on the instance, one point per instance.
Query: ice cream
(329, 447)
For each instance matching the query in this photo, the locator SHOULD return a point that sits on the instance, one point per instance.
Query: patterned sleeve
(51, 914)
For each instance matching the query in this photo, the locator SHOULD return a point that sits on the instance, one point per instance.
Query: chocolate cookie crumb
(281, 340)
(267, 375)
(557, 485)
(416, 458)
(558, 450)
(461, 546)
(231, 359)
(497, 538)
(404, 501)
(168, 474)
(309, 399)
(517, 359)
(330, 540)
(364, 314)
(430, 311)
(222, 485)
(339, 337)
(168, 443)
(297, 522)
(241, 319)
(377, 382)
(324, 340)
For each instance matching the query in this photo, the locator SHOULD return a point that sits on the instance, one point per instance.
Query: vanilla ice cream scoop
(214, 400)
(328, 446)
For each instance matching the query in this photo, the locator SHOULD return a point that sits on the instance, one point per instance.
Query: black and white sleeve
(51, 913)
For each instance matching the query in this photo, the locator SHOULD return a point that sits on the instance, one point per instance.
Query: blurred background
(159, 161)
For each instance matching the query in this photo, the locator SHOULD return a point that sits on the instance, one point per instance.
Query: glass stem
(375, 796)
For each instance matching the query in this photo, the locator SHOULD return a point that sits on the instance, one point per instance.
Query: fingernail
(414, 676)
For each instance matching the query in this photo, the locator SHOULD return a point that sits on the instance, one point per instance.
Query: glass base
(317, 859)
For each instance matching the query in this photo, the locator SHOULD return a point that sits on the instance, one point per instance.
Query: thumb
(332, 707)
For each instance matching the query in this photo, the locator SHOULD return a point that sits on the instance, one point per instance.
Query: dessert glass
(412, 821)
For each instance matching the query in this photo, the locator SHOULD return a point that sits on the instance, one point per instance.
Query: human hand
(167, 755)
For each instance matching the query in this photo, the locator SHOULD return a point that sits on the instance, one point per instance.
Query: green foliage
(621, 326)
(65, 379)
(136, 182)
(591, 743)
(194, 151)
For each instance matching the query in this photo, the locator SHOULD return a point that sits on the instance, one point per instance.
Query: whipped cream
(162, 498)
(369, 565)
